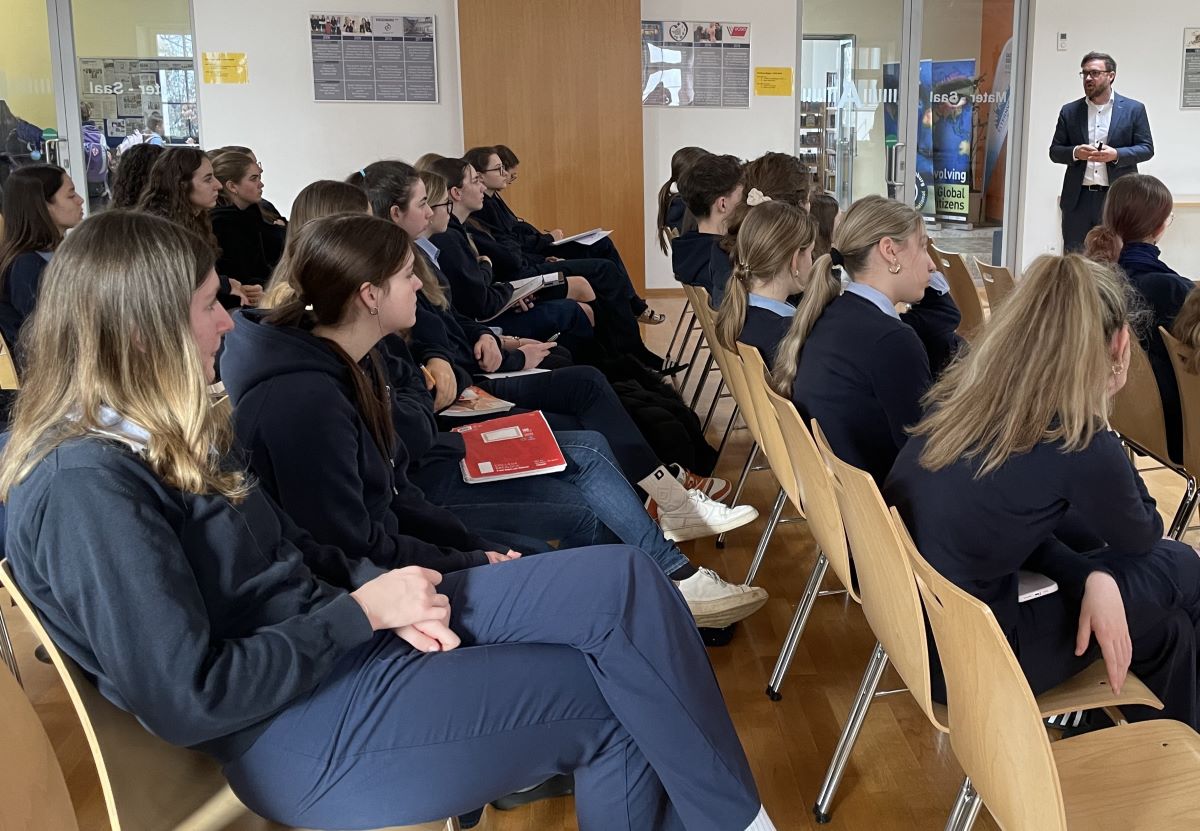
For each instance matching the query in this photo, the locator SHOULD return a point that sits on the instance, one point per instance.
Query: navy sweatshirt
(502, 221)
(1162, 292)
(935, 319)
(248, 243)
(199, 617)
(691, 256)
(979, 532)
(720, 268)
(19, 294)
(476, 293)
(861, 375)
(763, 330)
(294, 412)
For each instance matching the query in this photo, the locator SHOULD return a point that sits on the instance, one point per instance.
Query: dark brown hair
(385, 183)
(507, 157)
(27, 223)
(1136, 207)
(781, 177)
(230, 166)
(1109, 63)
(681, 160)
(132, 172)
(823, 208)
(169, 188)
(326, 263)
(707, 180)
(478, 157)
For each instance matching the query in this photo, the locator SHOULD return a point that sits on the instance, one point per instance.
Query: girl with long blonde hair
(772, 261)
(848, 360)
(196, 605)
(1014, 467)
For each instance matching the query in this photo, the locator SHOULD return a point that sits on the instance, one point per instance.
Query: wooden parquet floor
(902, 775)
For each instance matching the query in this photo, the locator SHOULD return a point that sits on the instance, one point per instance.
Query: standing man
(1100, 138)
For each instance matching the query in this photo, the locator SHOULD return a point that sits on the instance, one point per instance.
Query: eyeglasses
(1094, 73)
(499, 169)
(446, 205)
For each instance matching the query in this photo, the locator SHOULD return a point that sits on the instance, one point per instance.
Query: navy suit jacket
(1128, 134)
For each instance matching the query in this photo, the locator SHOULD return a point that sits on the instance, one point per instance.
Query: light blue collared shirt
(779, 307)
(873, 296)
(429, 248)
(937, 282)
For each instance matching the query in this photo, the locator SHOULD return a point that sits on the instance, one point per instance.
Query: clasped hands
(1090, 153)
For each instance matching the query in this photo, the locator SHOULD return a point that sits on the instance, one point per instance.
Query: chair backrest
(995, 728)
(998, 282)
(755, 373)
(730, 363)
(148, 784)
(1138, 409)
(885, 578)
(8, 368)
(815, 486)
(962, 289)
(33, 793)
(1189, 400)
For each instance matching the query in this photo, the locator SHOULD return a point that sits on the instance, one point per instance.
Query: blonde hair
(122, 272)
(769, 237)
(427, 161)
(1186, 329)
(868, 221)
(436, 190)
(1038, 372)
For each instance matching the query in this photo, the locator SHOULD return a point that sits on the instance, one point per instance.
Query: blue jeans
(592, 483)
(585, 661)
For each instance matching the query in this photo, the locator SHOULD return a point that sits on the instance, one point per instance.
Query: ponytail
(731, 318)
(823, 286)
(664, 207)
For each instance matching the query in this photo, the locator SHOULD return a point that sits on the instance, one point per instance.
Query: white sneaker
(715, 603)
(702, 517)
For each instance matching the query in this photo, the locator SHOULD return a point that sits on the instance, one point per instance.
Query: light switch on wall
(1062, 41)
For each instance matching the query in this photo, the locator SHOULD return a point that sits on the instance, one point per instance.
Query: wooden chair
(815, 497)
(148, 784)
(998, 282)
(962, 289)
(893, 610)
(704, 316)
(33, 792)
(8, 369)
(1189, 404)
(1135, 776)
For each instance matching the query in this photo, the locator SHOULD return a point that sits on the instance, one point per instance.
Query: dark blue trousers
(585, 661)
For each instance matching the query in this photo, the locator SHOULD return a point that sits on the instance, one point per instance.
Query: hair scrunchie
(836, 257)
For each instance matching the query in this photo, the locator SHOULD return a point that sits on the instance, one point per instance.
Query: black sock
(683, 572)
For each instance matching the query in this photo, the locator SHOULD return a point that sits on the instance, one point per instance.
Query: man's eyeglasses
(1094, 73)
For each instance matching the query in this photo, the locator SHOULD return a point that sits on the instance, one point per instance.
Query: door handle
(893, 164)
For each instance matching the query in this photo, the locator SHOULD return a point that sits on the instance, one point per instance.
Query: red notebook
(509, 448)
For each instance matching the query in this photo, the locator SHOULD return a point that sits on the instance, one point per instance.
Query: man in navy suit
(1100, 138)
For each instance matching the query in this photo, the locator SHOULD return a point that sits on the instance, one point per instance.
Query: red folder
(509, 448)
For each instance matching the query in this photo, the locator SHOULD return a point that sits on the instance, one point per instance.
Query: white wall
(747, 133)
(298, 139)
(1148, 48)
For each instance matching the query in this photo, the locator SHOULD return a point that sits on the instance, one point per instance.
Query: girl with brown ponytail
(672, 213)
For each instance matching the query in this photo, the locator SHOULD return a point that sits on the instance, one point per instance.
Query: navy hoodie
(691, 255)
(477, 294)
(294, 412)
(18, 294)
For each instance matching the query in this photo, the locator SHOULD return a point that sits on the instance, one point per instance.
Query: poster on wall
(123, 93)
(1190, 96)
(358, 57)
(695, 63)
(945, 134)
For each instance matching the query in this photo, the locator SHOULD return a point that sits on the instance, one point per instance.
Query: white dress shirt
(1099, 116)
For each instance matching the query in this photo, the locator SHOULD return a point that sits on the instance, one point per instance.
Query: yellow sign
(225, 68)
(772, 80)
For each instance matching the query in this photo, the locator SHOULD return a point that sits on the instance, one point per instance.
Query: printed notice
(1190, 97)
(695, 63)
(391, 58)
(224, 67)
(773, 80)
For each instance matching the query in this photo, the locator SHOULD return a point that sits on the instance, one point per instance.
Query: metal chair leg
(741, 483)
(796, 630)
(954, 821)
(728, 429)
(854, 723)
(704, 373)
(765, 539)
(1186, 508)
(970, 811)
(712, 408)
(6, 650)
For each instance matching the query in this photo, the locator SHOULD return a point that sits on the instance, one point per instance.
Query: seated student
(672, 212)
(131, 171)
(248, 241)
(271, 215)
(183, 188)
(40, 206)
(540, 247)
(1137, 213)
(1015, 450)
(573, 398)
(200, 608)
(710, 188)
(848, 361)
(772, 262)
(355, 272)
(824, 208)
(477, 293)
(772, 177)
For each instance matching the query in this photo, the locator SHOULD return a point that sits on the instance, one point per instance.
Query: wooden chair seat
(1139, 776)
(1090, 690)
